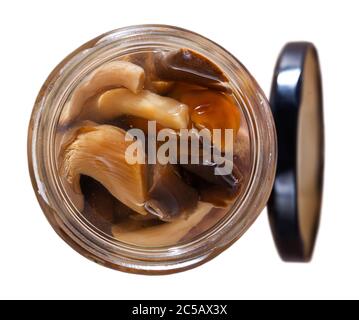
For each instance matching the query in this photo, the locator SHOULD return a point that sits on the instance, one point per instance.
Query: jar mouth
(85, 237)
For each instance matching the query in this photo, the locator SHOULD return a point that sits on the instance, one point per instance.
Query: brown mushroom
(190, 66)
(169, 196)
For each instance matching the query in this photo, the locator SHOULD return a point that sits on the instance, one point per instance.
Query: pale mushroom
(113, 74)
(166, 111)
(100, 153)
(164, 234)
(63, 139)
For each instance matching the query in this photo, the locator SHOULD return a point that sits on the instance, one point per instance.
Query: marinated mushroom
(99, 152)
(166, 111)
(113, 74)
(189, 66)
(163, 234)
(169, 195)
(63, 139)
(219, 190)
(202, 172)
(206, 171)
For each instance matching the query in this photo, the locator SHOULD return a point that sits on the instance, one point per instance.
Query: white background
(35, 36)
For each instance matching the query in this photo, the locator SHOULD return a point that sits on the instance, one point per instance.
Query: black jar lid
(296, 102)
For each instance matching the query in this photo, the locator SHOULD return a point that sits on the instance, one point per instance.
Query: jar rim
(44, 177)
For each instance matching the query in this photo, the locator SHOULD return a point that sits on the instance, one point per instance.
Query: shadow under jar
(150, 218)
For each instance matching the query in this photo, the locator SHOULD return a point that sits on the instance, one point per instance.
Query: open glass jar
(130, 243)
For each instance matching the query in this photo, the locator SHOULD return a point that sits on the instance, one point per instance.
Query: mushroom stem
(166, 111)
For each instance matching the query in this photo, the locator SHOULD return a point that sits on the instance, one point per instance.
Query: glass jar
(73, 227)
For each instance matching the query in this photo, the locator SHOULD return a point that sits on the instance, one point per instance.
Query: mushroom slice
(164, 234)
(206, 171)
(113, 74)
(100, 153)
(202, 166)
(166, 111)
(190, 66)
(169, 195)
(218, 190)
(199, 169)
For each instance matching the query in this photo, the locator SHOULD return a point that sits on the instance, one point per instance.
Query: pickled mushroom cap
(189, 66)
(99, 152)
